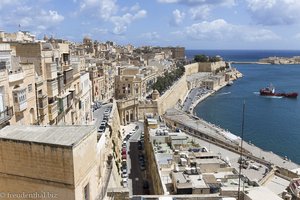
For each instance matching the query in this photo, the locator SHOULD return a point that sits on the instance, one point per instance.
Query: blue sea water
(270, 123)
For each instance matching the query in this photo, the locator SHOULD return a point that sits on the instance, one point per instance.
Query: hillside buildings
(57, 82)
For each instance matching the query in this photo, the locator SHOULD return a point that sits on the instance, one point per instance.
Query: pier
(248, 62)
(212, 134)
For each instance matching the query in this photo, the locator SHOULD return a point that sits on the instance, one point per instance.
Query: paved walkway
(220, 134)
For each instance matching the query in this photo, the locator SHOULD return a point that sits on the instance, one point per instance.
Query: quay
(208, 132)
(248, 62)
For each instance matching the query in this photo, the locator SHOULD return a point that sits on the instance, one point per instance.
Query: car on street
(125, 182)
(124, 144)
(101, 129)
(146, 187)
(142, 166)
(140, 145)
(131, 133)
(124, 175)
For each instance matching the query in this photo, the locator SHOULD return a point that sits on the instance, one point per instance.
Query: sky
(194, 24)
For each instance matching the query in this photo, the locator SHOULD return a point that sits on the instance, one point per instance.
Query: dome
(155, 92)
(47, 46)
(46, 38)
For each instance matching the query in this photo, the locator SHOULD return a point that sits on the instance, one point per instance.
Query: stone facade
(62, 169)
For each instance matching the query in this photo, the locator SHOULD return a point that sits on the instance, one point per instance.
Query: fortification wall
(171, 97)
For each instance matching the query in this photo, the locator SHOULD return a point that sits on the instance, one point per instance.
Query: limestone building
(17, 89)
(62, 161)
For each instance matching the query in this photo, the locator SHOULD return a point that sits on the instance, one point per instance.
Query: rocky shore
(280, 60)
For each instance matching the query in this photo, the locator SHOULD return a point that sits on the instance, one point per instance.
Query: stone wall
(115, 139)
(16, 185)
(191, 69)
(36, 161)
(85, 166)
(152, 168)
(211, 66)
(171, 97)
(147, 107)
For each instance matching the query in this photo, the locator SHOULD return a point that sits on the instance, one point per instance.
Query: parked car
(124, 144)
(146, 187)
(145, 184)
(142, 166)
(140, 145)
(131, 133)
(124, 182)
(101, 129)
(136, 128)
(124, 175)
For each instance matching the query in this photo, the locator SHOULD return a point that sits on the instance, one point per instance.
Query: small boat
(270, 91)
(229, 83)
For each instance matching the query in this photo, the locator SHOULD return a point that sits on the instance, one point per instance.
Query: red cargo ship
(270, 91)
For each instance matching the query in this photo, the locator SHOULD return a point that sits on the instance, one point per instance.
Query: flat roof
(56, 135)
(262, 192)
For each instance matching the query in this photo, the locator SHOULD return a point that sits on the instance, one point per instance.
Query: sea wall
(176, 94)
(191, 69)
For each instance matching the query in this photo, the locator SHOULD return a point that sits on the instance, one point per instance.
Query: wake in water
(224, 93)
(272, 97)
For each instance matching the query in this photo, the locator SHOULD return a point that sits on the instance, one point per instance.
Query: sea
(271, 123)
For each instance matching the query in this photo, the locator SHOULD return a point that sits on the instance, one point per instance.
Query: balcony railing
(42, 101)
(51, 71)
(20, 99)
(52, 87)
(14, 76)
(53, 110)
(79, 94)
(6, 115)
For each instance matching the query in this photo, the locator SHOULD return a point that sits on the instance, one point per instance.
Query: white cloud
(105, 8)
(177, 17)
(110, 11)
(4, 3)
(135, 8)
(200, 12)
(100, 31)
(216, 29)
(150, 36)
(33, 18)
(219, 30)
(297, 36)
(274, 12)
(121, 22)
(50, 17)
(200, 2)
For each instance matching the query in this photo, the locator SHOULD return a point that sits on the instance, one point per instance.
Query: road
(98, 114)
(136, 176)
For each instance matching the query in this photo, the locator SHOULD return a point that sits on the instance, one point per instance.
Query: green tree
(201, 58)
(214, 59)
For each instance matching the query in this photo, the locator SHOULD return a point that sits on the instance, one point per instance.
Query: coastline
(268, 155)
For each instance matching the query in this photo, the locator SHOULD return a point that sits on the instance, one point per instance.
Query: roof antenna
(241, 150)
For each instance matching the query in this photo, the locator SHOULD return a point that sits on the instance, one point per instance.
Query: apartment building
(134, 82)
(17, 89)
(97, 78)
(57, 80)
(61, 162)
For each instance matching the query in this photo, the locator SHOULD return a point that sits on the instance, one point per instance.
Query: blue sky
(194, 24)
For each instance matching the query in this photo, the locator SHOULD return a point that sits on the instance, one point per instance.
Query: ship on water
(270, 91)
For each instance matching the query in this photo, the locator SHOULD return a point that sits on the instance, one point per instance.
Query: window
(86, 192)
(29, 88)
